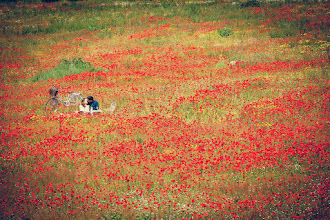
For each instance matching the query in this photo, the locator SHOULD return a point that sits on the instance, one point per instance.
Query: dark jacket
(94, 105)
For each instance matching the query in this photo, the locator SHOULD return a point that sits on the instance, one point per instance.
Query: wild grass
(65, 68)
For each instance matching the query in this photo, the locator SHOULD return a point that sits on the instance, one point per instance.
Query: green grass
(66, 17)
(224, 32)
(286, 30)
(65, 68)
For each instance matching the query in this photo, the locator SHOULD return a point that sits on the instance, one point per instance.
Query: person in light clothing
(84, 107)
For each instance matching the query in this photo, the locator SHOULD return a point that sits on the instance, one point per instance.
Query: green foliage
(113, 216)
(192, 11)
(49, 1)
(64, 17)
(224, 32)
(283, 33)
(167, 3)
(220, 65)
(65, 68)
(250, 3)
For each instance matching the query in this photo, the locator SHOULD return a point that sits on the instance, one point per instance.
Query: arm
(96, 107)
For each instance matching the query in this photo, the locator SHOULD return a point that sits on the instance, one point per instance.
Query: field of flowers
(222, 111)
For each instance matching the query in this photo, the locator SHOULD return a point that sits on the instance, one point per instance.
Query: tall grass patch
(65, 68)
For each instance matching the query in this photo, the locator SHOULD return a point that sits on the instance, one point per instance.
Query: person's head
(90, 99)
(84, 102)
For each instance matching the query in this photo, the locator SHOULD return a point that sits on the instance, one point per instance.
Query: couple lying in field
(89, 105)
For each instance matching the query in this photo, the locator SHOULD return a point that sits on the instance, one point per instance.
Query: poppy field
(222, 110)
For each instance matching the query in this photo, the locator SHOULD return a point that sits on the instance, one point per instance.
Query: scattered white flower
(232, 63)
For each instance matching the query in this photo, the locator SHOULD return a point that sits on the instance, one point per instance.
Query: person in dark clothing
(95, 108)
(94, 105)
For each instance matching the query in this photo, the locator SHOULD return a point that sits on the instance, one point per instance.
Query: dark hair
(90, 98)
(83, 100)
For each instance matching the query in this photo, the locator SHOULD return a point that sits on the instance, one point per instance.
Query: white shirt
(84, 109)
